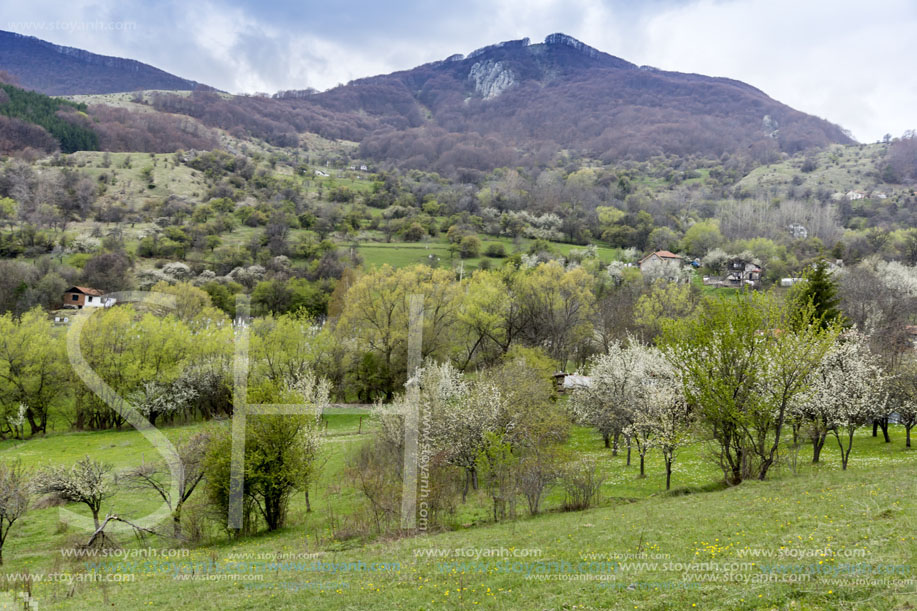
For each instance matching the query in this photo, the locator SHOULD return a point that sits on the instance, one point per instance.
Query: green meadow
(811, 537)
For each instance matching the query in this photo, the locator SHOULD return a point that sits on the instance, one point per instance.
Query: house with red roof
(663, 256)
(79, 297)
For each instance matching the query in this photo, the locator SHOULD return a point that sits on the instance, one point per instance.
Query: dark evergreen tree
(820, 290)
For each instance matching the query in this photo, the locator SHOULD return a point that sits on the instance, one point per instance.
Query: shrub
(582, 482)
(469, 247)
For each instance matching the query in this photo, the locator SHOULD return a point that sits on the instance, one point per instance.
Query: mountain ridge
(505, 104)
(55, 69)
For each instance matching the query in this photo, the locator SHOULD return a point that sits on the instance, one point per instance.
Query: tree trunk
(607, 439)
(35, 427)
(614, 448)
(817, 444)
(907, 431)
(884, 424)
(628, 451)
(875, 428)
(176, 522)
(668, 474)
(845, 455)
(642, 472)
(308, 504)
(737, 468)
(474, 478)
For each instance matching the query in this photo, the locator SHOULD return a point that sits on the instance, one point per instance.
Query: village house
(567, 382)
(663, 256)
(743, 273)
(79, 297)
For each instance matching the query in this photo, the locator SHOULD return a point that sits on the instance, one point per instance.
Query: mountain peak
(560, 38)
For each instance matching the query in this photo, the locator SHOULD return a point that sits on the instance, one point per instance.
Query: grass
(402, 254)
(864, 515)
(839, 169)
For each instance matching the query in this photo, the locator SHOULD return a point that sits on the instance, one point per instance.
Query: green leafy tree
(281, 454)
(33, 367)
(469, 247)
(744, 368)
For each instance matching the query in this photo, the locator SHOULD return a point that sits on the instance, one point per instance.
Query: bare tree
(15, 494)
(903, 396)
(189, 471)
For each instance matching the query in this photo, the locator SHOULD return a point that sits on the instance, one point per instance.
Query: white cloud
(831, 59)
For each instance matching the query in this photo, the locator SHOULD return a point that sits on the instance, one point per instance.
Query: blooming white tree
(607, 402)
(848, 390)
(668, 270)
(660, 418)
(455, 416)
(615, 271)
(15, 493)
(85, 482)
(635, 390)
(898, 277)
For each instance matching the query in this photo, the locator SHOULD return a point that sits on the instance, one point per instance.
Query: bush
(377, 473)
(469, 247)
(535, 473)
(495, 251)
(414, 233)
(582, 482)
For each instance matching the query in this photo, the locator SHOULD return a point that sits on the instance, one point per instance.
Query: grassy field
(816, 538)
(401, 254)
(838, 169)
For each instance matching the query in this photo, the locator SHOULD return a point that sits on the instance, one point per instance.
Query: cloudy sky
(853, 62)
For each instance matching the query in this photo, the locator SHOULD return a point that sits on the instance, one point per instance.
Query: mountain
(512, 103)
(563, 94)
(57, 70)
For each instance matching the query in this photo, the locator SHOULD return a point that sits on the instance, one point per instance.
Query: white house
(79, 297)
(566, 382)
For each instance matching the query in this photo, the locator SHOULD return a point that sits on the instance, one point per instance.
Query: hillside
(60, 119)
(509, 104)
(566, 94)
(822, 539)
(517, 102)
(57, 70)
